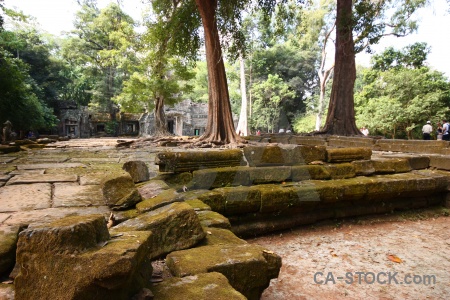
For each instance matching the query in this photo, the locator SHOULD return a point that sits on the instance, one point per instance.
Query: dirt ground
(396, 256)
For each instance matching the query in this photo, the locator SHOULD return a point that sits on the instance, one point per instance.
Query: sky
(56, 16)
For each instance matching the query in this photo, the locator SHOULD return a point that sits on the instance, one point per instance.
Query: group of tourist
(442, 131)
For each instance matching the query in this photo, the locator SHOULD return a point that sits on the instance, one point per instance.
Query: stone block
(220, 177)
(164, 198)
(198, 205)
(152, 188)
(74, 195)
(305, 154)
(346, 142)
(220, 236)
(262, 175)
(213, 219)
(363, 167)
(28, 197)
(80, 250)
(391, 165)
(204, 286)
(8, 241)
(309, 172)
(188, 161)
(341, 171)
(42, 178)
(308, 140)
(175, 226)
(214, 199)
(416, 162)
(248, 268)
(348, 154)
(119, 191)
(287, 155)
(240, 200)
(137, 169)
(441, 162)
(9, 149)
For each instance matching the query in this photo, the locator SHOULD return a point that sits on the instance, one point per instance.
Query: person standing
(439, 131)
(426, 130)
(445, 133)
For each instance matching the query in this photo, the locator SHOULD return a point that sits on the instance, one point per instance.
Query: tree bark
(160, 118)
(242, 128)
(220, 127)
(341, 111)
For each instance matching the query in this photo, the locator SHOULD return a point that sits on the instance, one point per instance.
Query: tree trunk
(341, 111)
(220, 127)
(160, 118)
(242, 128)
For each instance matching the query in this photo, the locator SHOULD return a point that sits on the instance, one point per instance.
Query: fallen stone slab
(204, 286)
(348, 154)
(152, 188)
(213, 219)
(119, 191)
(50, 166)
(188, 161)
(74, 195)
(164, 198)
(8, 241)
(41, 178)
(25, 218)
(220, 236)
(137, 169)
(26, 172)
(4, 178)
(198, 205)
(174, 226)
(81, 251)
(248, 268)
(25, 197)
(7, 159)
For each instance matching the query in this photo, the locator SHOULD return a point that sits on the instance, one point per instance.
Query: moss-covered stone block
(309, 172)
(363, 167)
(164, 198)
(214, 199)
(175, 226)
(8, 241)
(220, 236)
(119, 191)
(306, 154)
(220, 177)
(203, 286)
(240, 200)
(341, 171)
(213, 219)
(262, 175)
(276, 198)
(188, 161)
(151, 188)
(79, 250)
(391, 165)
(348, 154)
(248, 268)
(198, 205)
(270, 155)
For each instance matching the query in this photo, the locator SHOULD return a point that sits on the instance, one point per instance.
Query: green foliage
(412, 56)
(305, 123)
(111, 127)
(397, 102)
(268, 96)
(18, 103)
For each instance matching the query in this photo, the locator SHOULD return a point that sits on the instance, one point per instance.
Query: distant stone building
(185, 118)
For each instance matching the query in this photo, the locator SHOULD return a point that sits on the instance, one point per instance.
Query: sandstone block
(262, 175)
(220, 177)
(391, 165)
(119, 191)
(363, 167)
(348, 154)
(152, 188)
(175, 226)
(137, 169)
(341, 171)
(203, 286)
(240, 200)
(188, 161)
(198, 205)
(164, 198)
(309, 172)
(220, 236)
(8, 241)
(79, 250)
(248, 268)
(213, 219)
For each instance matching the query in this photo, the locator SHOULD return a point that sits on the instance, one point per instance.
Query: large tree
(368, 22)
